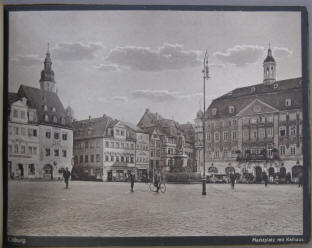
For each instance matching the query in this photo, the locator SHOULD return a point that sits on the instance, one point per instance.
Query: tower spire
(46, 81)
(269, 68)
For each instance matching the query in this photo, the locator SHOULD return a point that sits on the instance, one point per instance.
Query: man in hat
(132, 179)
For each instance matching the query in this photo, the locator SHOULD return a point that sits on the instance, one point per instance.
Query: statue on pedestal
(180, 144)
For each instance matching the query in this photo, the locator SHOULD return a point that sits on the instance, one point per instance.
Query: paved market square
(110, 209)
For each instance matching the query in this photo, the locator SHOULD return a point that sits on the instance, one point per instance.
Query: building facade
(163, 137)
(50, 131)
(254, 129)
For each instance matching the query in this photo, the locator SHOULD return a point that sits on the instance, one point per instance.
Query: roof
(37, 99)
(133, 127)
(91, 128)
(13, 97)
(269, 57)
(273, 95)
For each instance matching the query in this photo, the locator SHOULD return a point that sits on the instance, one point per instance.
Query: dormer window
(54, 119)
(214, 111)
(288, 102)
(275, 86)
(63, 120)
(46, 118)
(231, 109)
(253, 89)
(53, 109)
(45, 108)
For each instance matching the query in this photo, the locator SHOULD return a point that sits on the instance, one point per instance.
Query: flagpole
(205, 72)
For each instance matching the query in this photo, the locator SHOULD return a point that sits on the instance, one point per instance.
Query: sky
(119, 63)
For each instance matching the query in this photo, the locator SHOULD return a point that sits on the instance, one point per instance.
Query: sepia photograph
(156, 123)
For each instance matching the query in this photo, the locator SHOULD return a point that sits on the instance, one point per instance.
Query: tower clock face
(256, 108)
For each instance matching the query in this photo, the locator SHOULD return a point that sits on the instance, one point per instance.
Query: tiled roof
(37, 99)
(13, 97)
(91, 128)
(273, 95)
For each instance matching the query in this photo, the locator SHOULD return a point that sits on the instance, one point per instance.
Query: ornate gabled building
(108, 149)
(163, 136)
(256, 128)
(51, 125)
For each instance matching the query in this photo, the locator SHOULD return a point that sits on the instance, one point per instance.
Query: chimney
(89, 117)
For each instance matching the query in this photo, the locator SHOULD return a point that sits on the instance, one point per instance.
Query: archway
(282, 172)
(258, 174)
(271, 171)
(21, 170)
(48, 171)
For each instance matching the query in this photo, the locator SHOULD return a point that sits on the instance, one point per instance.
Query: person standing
(232, 179)
(66, 175)
(265, 179)
(132, 179)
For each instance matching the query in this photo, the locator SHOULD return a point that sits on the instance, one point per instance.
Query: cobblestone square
(110, 209)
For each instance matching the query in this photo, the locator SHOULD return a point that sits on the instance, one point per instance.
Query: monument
(180, 159)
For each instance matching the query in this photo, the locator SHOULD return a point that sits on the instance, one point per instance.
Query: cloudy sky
(122, 62)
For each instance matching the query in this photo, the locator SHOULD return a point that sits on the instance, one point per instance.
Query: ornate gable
(256, 107)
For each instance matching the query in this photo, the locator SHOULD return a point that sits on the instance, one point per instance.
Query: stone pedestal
(180, 163)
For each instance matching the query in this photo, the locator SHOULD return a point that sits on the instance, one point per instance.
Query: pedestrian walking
(132, 179)
(300, 180)
(232, 179)
(66, 175)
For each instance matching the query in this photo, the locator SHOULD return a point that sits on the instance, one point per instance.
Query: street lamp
(205, 76)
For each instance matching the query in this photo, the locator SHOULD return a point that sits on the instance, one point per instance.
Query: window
(92, 158)
(254, 134)
(47, 152)
(16, 130)
(157, 144)
(253, 89)
(132, 160)
(253, 120)
(245, 133)
(112, 158)
(35, 150)
(112, 144)
(117, 159)
(217, 136)
(106, 144)
(208, 136)
(270, 132)
(293, 150)
(48, 134)
(23, 131)
(282, 131)
(292, 116)
(106, 158)
(45, 108)
(234, 135)
(262, 119)
(86, 145)
(270, 119)
(292, 130)
(231, 109)
(56, 135)
(282, 150)
(15, 113)
(63, 120)
(234, 122)
(16, 148)
(53, 109)
(46, 118)
(122, 159)
(214, 111)
(81, 159)
(122, 132)
(23, 148)
(269, 150)
(31, 169)
(10, 148)
(56, 152)
(64, 152)
(261, 133)
(217, 154)
(282, 117)
(64, 136)
(86, 158)
(288, 102)
(275, 86)
(35, 132)
(225, 136)
(54, 119)
(97, 157)
(23, 116)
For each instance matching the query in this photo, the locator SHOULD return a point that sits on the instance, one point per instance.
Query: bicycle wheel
(152, 187)
(162, 188)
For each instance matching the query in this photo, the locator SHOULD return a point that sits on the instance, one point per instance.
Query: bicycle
(162, 187)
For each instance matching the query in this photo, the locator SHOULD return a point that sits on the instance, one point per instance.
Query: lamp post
(205, 76)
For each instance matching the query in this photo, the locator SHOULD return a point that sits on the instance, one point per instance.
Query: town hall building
(255, 128)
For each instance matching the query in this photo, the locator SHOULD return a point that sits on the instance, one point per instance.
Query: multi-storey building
(109, 149)
(51, 129)
(23, 140)
(163, 136)
(256, 128)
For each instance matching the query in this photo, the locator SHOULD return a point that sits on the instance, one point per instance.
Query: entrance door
(48, 171)
(21, 170)
(258, 172)
(109, 176)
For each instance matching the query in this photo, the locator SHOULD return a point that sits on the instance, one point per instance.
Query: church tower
(46, 81)
(269, 69)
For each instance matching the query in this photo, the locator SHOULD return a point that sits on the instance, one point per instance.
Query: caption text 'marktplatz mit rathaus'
(249, 130)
